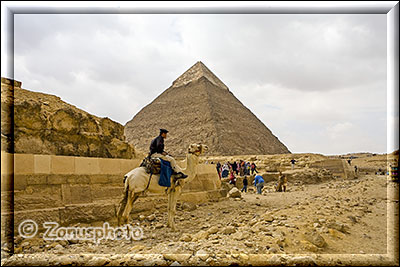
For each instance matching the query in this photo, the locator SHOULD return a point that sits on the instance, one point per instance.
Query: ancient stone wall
(68, 189)
(38, 123)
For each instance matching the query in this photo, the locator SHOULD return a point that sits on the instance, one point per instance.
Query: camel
(137, 180)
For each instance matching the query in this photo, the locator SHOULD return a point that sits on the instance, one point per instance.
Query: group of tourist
(236, 168)
(243, 168)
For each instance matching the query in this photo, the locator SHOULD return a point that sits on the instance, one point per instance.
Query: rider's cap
(163, 131)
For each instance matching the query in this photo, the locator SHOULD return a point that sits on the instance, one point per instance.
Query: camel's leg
(170, 192)
(121, 207)
(129, 205)
(175, 193)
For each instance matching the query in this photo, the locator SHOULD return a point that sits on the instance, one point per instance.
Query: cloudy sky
(318, 82)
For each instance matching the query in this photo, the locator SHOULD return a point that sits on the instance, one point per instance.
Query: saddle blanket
(165, 174)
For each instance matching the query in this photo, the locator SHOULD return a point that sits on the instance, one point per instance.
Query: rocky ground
(332, 218)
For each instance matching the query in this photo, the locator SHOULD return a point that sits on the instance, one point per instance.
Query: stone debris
(189, 206)
(151, 217)
(200, 236)
(202, 254)
(186, 238)
(315, 238)
(227, 232)
(213, 230)
(97, 261)
(234, 193)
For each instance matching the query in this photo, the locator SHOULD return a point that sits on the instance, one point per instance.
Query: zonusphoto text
(55, 232)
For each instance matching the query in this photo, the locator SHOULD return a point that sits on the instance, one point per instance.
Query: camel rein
(148, 184)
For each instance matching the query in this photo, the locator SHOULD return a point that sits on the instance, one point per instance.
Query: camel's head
(197, 149)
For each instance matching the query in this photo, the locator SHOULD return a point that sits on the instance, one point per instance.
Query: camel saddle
(152, 165)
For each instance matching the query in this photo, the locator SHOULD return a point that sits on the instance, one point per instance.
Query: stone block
(99, 179)
(38, 216)
(110, 166)
(62, 165)
(76, 214)
(100, 192)
(128, 165)
(7, 163)
(36, 179)
(104, 211)
(20, 181)
(85, 165)
(87, 213)
(210, 182)
(66, 194)
(76, 194)
(56, 179)
(194, 185)
(42, 164)
(116, 179)
(38, 197)
(23, 163)
(194, 197)
(78, 179)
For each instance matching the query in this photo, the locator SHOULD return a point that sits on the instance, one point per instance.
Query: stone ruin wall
(70, 190)
(39, 123)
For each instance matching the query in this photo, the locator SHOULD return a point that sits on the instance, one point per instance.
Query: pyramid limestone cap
(194, 73)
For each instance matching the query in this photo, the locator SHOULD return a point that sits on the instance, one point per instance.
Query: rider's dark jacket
(157, 145)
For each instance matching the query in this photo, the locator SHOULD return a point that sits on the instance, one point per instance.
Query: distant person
(232, 178)
(293, 161)
(248, 168)
(225, 171)
(219, 169)
(253, 168)
(259, 183)
(282, 183)
(234, 167)
(241, 170)
(355, 169)
(245, 183)
(237, 167)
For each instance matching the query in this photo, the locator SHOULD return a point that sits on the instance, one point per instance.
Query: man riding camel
(157, 151)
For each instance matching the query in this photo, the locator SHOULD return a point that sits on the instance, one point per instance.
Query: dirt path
(338, 217)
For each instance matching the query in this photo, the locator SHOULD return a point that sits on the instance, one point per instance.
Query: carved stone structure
(39, 123)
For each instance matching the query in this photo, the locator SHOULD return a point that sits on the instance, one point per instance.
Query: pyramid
(199, 107)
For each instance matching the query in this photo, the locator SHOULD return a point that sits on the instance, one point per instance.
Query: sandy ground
(336, 217)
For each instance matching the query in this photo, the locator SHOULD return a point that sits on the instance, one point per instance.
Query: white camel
(137, 180)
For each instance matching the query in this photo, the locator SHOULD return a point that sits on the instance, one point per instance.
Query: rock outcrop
(199, 107)
(39, 123)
